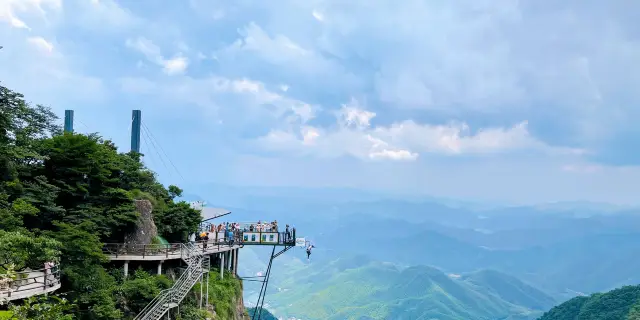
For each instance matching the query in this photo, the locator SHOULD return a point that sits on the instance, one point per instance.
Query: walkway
(30, 283)
(159, 252)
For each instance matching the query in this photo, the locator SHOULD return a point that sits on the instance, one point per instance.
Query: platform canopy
(212, 213)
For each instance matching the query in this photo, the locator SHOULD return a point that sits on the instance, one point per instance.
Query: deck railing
(29, 283)
(217, 242)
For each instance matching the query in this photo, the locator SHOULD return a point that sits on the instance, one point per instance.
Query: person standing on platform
(206, 241)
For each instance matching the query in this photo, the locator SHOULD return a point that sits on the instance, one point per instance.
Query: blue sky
(518, 101)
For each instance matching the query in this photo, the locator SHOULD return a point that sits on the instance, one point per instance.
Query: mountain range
(551, 252)
(355, 287)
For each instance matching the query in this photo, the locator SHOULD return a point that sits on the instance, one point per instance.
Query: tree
(12, 215)
(177, 221)
(21, 128)
(87, 172)
(62, 195)
(175, 192)
(43, 309)
(26, 251)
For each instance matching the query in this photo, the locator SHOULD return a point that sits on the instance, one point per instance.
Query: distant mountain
(264, 315)
(618, 304)
(357, 288)
(509, 289)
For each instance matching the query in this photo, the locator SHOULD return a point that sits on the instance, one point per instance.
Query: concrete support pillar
(222, 265)
(235, 262)
(159, 267)
(126, 269)
(230, 261)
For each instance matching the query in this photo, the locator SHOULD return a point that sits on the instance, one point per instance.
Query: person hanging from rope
(309, 251)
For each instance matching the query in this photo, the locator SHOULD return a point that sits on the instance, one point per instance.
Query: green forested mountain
(352, 288)
(618, 304)
(62, 195)
(265, 314)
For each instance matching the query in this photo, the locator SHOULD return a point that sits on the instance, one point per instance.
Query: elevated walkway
(30, 283)
(161, 252)
(171, 298)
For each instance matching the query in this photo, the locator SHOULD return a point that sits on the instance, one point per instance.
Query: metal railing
(171, 250)
(217, 242)
(172, 297)
(29, 283)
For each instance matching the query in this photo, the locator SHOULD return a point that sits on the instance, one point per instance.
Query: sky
(520, 101)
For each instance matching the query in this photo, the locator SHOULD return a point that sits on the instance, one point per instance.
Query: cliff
(146, 229)
(241, 311)
(225, 297)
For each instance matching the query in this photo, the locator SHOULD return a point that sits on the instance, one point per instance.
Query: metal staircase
(171, 298)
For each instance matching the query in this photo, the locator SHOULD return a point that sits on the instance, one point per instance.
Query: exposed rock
(241, 310)
(146, 229)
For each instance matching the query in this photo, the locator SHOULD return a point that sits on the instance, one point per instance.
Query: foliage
(42, 309)
(224, 295)
(191, 312)
(177, 220)
(354, 287)
(62, 195)
(622, 303)
(25, 251)
(136, 293)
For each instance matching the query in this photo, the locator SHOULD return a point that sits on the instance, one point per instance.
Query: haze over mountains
(459, 260)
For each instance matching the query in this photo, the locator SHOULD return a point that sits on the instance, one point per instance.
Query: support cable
(161, 149)
(263, 289)
(153, 145)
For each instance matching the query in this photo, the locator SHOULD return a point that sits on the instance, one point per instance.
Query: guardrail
(29, 283)
(170, 250)
(217, 241)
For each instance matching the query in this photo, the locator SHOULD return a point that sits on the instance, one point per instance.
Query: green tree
(26, 251)
(43, 309)
(175, 192)
(12, 215)
(87, 171)
(21, 128)
(177, 220)
(63, 195)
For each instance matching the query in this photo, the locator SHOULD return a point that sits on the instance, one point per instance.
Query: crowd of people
(230, 232)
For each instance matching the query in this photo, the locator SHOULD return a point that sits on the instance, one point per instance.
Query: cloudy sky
(509, 100)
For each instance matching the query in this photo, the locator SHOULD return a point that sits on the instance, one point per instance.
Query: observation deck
(216, 244)
(30, 283)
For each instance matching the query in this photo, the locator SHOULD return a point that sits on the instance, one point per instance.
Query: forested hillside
(63, 195)
(354, 287)
(618, 304)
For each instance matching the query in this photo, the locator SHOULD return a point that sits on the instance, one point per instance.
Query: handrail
(174, 250)
(161, 304)
(25, 281)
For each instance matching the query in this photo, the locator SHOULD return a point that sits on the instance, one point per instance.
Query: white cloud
(318, 15)
(403, 140)
(173, 66)
(106, 15)
(234, 101)
(176, 65)
(291, 60)
(41, 44)
(11, 10)
(351, 115)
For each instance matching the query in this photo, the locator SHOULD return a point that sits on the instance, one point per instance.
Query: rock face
(241, 310)
(146, 229)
